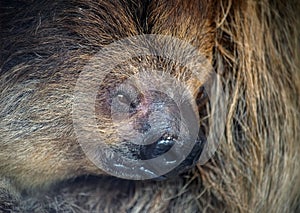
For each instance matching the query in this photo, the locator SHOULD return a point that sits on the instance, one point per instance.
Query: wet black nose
(164, 145)
(159, 128)
(153, 150)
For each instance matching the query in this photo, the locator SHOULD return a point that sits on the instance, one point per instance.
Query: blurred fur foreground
(254, 45)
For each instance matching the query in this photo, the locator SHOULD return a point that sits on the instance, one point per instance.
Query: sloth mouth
(161, 146)
(190, 161)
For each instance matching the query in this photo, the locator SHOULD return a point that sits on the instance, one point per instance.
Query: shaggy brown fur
(254, 45)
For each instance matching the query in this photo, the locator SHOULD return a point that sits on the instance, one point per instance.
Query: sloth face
(149, 114)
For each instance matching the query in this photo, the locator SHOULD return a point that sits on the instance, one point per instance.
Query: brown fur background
(254, 45)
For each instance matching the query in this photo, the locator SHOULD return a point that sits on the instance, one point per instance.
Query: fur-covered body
(253, 45)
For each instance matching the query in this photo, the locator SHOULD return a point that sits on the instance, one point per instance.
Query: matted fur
(254, 45)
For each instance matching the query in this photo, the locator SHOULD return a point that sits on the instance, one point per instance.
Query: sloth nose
(164, 145)
(153, 150)
(160, 147)
(158, 122)
(159, 130)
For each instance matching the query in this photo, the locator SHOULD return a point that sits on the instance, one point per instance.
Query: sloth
(54, 158)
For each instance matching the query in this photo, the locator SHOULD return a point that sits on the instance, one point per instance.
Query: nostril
(156, 149)
(150, 151)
